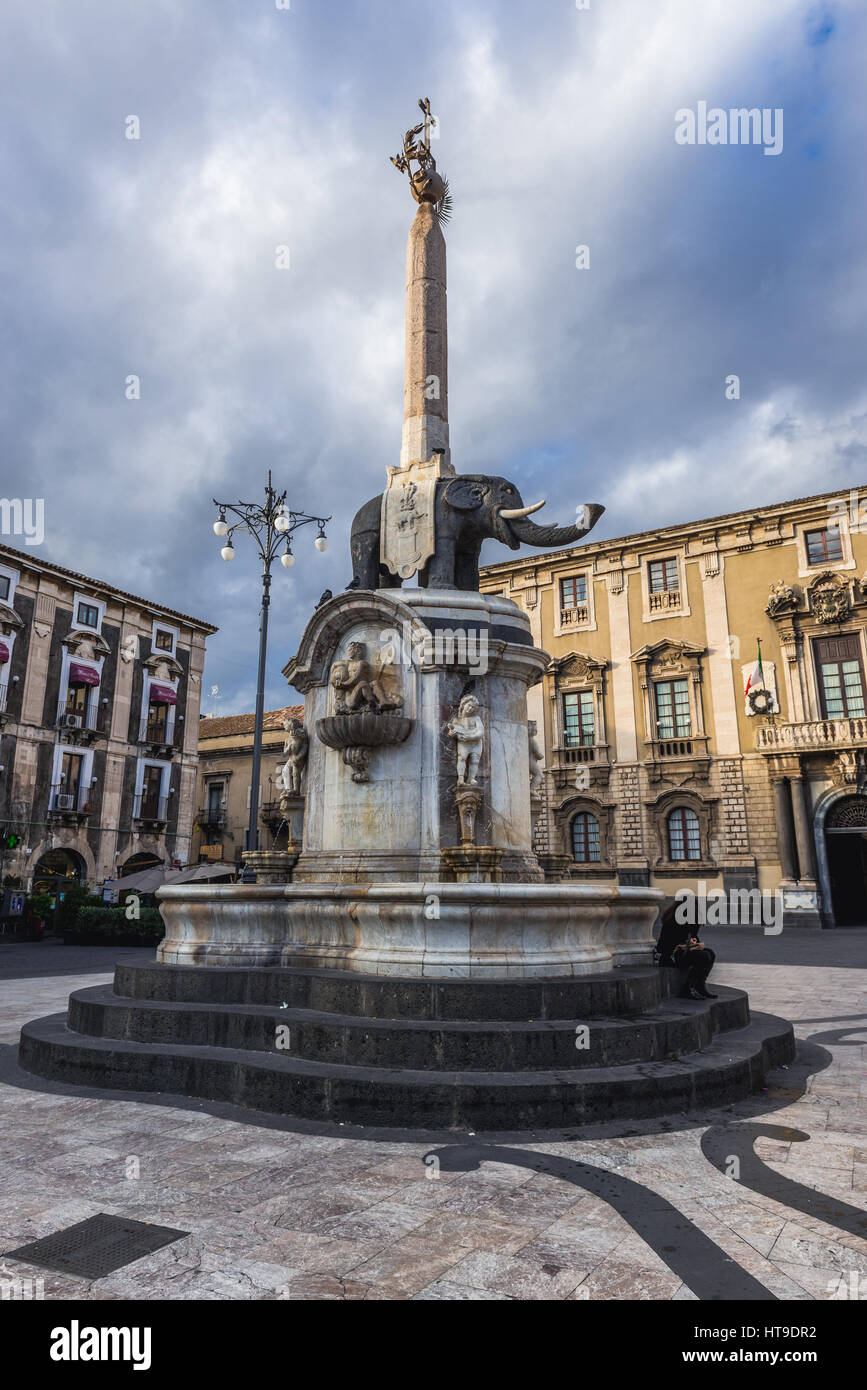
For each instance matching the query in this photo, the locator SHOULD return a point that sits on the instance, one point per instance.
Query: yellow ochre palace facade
(660, 766)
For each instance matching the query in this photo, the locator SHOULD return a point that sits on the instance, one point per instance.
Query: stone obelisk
(408, 503)
(425, 390)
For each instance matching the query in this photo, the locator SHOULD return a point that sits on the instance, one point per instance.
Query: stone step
(727, 1070)
(623, 993)
(668, 1030)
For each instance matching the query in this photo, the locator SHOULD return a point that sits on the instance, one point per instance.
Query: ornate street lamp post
(270, 526)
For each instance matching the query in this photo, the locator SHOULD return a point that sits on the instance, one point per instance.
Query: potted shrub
(109, 926)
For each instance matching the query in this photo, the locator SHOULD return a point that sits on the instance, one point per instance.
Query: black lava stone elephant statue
(470, 509)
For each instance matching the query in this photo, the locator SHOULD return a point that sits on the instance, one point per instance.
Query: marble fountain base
(427, 930)
(519, 1007)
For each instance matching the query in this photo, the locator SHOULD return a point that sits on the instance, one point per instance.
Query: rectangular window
(579, 724)
(684, 834)
(663, 575)
(152, 780)
(76, 699)
(824, 546)
(88, 615)
(672, 709)
(585, 839)
(165, 641)
(5, 585)
(158, 721)
(70, 776)
(215, 799)
(841, 676)
(573, 591)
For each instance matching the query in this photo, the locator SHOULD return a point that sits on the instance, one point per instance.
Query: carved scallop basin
(360, 731)
(363, 729)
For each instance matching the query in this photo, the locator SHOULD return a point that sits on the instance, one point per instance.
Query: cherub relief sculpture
(358, 687)
(296, 747)
(537, 757)
(467, 729)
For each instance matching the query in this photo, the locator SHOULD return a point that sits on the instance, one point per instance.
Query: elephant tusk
(512, 513)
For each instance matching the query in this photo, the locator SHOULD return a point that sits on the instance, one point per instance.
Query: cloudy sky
(262, 126)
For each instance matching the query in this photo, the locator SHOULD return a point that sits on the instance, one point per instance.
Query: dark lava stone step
(731, 1067)
(677, 1027)
(624, 993)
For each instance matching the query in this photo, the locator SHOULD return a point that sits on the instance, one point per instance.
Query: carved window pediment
(85, 643)
(577, 669)
(10, 621)
(163, 667)
(669, 657)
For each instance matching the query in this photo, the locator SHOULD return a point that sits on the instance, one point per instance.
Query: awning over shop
(149, 880)
(4, 653)
(163, 695)
(199, 872)
(82, 675)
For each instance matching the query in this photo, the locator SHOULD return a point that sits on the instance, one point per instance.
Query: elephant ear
(465, 495)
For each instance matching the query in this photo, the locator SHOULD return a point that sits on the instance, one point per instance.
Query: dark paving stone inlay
(96, 1247)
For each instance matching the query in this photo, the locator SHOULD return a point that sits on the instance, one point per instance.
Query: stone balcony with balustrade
(813, 736)
(665, 601)
(578, 615)
(567, 758)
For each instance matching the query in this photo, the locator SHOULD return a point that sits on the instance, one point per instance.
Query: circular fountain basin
(434, 929)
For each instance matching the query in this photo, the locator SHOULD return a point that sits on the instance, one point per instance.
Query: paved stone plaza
(279, 1209)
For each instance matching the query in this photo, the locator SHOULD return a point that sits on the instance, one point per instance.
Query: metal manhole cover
(97, 1246)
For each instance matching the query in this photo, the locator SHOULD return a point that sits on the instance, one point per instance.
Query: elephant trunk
(528, 533)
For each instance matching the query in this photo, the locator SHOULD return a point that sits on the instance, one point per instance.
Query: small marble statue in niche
(467, 729)
(537, 758)
(295, 747)
(357, 686)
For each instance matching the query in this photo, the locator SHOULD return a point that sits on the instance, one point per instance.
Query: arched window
(138, 862)
(684, 835)
(585, 838)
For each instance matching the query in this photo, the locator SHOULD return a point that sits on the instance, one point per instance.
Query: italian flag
(757, 675)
